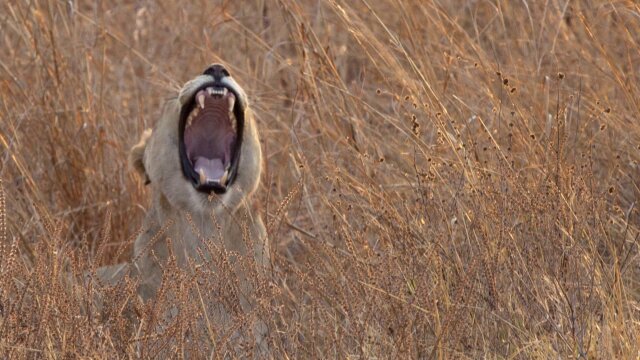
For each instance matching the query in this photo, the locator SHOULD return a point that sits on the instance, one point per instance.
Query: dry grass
(444, 179)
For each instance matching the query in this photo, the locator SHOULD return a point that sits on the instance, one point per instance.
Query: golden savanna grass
(443, 179)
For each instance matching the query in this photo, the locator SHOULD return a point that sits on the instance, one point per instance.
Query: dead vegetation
(444, 179)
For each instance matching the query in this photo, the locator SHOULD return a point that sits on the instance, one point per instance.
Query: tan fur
(174, 200)
(137, 153)
(174, 197)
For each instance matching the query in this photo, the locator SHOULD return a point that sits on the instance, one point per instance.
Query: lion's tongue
(212, 169)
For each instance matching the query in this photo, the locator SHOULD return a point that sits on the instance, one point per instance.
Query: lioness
(203, 163)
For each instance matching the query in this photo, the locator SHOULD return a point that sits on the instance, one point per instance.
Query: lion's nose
(217, 71)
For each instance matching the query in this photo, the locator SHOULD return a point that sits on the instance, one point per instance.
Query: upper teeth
(232, 116)
(192, 116)
(201, 100)
(217, 91)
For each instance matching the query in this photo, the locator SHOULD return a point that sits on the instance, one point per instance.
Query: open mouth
(210, 137)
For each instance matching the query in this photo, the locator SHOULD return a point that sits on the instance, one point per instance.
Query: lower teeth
(203, 177)
(223, 179)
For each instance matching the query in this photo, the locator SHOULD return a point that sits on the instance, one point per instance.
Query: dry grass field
(443, 179)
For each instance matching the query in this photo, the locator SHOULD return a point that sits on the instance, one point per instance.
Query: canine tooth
(223, 179)
(203, 177)
(225, 91)
(201, 100)
(210, 90)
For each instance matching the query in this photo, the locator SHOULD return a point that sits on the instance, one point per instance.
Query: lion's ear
(136, 155)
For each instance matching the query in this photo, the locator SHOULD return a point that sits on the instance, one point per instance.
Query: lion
(203, 163)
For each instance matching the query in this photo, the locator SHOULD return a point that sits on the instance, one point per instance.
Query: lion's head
(204, 151)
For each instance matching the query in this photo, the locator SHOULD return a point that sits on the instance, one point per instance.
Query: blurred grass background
(443, 179)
